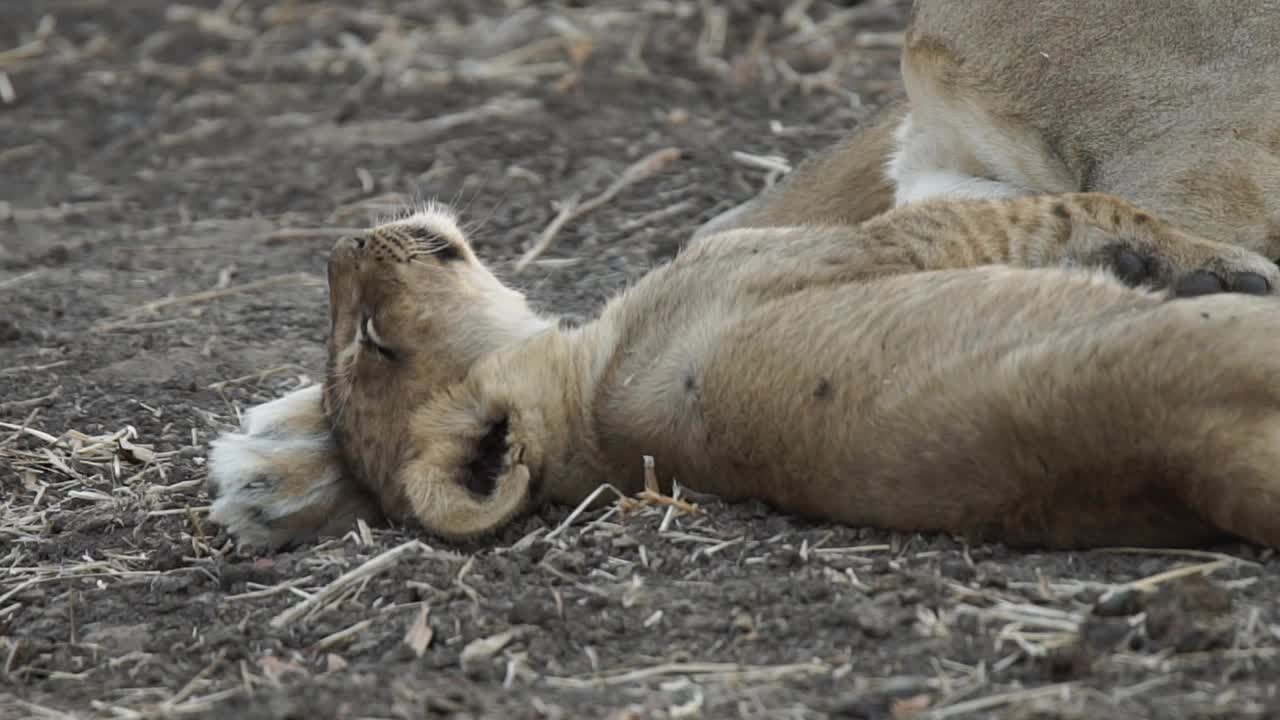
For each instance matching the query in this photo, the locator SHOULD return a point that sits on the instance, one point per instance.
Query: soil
(171, 180)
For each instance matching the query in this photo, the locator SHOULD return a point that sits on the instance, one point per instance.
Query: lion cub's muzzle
(342, 267)
(347, 249)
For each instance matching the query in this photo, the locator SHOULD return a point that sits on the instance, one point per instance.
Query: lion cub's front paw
(279, 480)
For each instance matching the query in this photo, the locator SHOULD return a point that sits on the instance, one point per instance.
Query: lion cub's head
(412, 309)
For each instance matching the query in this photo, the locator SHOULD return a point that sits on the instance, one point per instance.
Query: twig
(33, 368)
(657, 216)
(1183, 552)
(26, 423)
(770, 163)
(31, 402)
(644, 168)
(568, 211)
(482, 649)
(206, 296)
(190, 687)
(582, 507)
(704, 670)
(368, 569)
(420, 633)
(1150, 582)
(13, 56)
(41, 711)
(650, 475)
(391, 133)
(53, 214)
(285, 586)
(253, 377)
(25, 430)
(341, 636)
(991, 701)
(204, 129)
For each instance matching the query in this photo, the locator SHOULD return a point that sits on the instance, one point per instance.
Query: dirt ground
(171, 180)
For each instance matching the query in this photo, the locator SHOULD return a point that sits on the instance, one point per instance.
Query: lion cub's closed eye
(370, 338)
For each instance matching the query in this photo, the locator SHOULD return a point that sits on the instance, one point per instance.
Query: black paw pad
(1250, 284)
(1132, 268)
(1204, 282)
(1200, 282)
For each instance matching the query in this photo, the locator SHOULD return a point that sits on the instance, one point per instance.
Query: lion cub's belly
(840, 400)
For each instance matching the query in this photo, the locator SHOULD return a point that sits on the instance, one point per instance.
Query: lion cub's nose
(350, 243)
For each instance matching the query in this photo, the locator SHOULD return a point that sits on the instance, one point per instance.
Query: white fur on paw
(285, 415)
(258, 482)
(280, 464)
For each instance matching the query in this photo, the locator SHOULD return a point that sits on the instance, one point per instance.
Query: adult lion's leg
(280, 479)
(844, 184)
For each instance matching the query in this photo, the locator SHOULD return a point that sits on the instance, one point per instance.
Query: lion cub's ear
(470, 473)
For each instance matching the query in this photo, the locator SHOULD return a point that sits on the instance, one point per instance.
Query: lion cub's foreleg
(1073, 229)
(280, 480)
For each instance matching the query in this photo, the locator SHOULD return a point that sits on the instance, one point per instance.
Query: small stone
(120, 639)
(957, 569)
(1118, 603)
(529, 611)
(874, 622)
(165, 558)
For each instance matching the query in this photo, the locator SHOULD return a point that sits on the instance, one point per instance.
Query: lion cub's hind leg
(1239, 489)
(280, 480)
(1157, 427)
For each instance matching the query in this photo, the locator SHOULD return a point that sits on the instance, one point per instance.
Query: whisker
(474, 227)
(456, 200)
(421, 263)
(429, 248)
(344, 401)
(342, 375)
(417, 199)
(484, 180)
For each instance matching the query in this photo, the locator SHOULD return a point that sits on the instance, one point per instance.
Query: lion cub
(883, 375)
